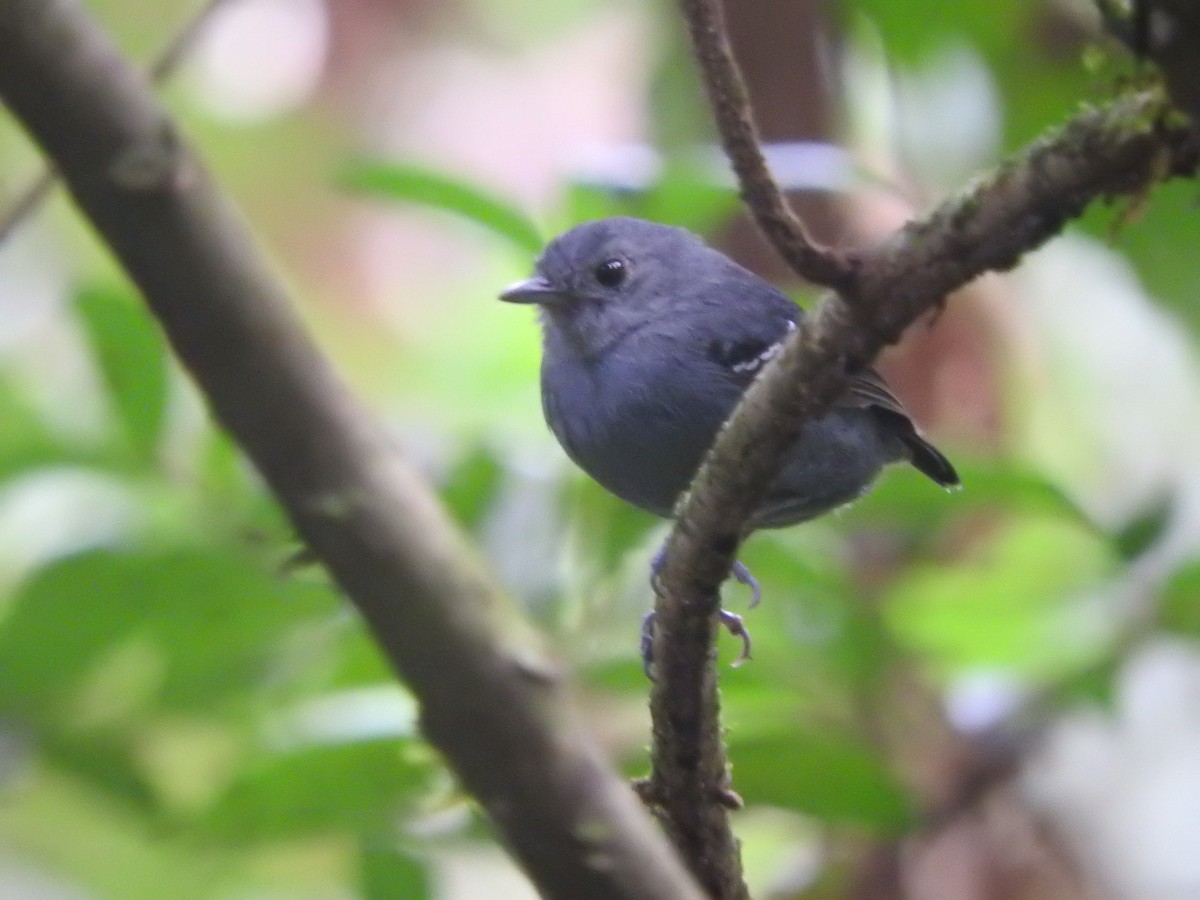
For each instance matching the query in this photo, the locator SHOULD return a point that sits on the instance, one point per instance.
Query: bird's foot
(739, 572)
(733, 624)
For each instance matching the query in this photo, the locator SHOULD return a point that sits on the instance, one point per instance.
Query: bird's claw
(733, 624)
(742, 576)
(647, 645)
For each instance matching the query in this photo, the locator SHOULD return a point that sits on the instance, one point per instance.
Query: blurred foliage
(184, 712)
(413, 184)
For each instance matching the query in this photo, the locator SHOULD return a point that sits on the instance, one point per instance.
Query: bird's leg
(733, 623)
(742, 576)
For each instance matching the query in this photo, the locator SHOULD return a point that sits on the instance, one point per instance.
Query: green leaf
(471, 486)
(909, 503)
(688, 195)
(25, 440)
(319, 789)
(685, 193)
(1181, 600)
(607, 527)
(1094, 684)
(416, 184)
(822, 774)
(213, 616)
(103, 761)
(910, 36)
(1144, 531)
(132, 359)
(587, 200)
(1012, 602)
(1160, 243)
(386, 872)
(1019, 489)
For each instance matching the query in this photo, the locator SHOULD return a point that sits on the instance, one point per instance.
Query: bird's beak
(533, 290)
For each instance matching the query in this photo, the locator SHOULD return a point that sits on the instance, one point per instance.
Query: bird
(649, 339)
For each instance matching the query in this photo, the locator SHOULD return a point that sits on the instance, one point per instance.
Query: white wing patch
(757, 362)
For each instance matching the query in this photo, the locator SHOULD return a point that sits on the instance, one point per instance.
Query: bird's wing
(867, 389)
(749, 342)
(743, 356)
(751, 325)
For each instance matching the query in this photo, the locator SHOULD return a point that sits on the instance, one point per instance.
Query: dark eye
(611, 273)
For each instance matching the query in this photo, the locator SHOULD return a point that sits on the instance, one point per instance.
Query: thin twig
(173, 54)
(28, 201)
(731, 109)
(165, 64)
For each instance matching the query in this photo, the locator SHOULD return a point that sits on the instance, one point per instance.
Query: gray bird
(650, 337)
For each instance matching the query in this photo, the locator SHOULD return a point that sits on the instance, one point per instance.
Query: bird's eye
(611, 273)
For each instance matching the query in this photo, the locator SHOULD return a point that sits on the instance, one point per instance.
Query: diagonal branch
(1123, 148)
(491, 700)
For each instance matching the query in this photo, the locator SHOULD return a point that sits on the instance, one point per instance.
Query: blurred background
(988, 694)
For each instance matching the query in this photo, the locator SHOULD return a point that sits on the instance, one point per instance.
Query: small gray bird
(650, 337)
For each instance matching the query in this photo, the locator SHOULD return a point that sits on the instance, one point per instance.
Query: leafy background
(186, 712)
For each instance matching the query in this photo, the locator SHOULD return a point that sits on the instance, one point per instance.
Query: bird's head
(601, 280)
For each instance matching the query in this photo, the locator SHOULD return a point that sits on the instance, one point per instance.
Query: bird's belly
(833, 462)
(638, 444)
(645, 442)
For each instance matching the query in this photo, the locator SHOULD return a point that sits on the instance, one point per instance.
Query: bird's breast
(638, 427)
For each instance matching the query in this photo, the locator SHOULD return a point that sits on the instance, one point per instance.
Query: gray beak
(532, 290)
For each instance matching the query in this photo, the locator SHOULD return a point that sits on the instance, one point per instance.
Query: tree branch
(730, 105)
(1123, 148)
(491, 700)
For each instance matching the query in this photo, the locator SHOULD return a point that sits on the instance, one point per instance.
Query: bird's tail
(928, 460)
